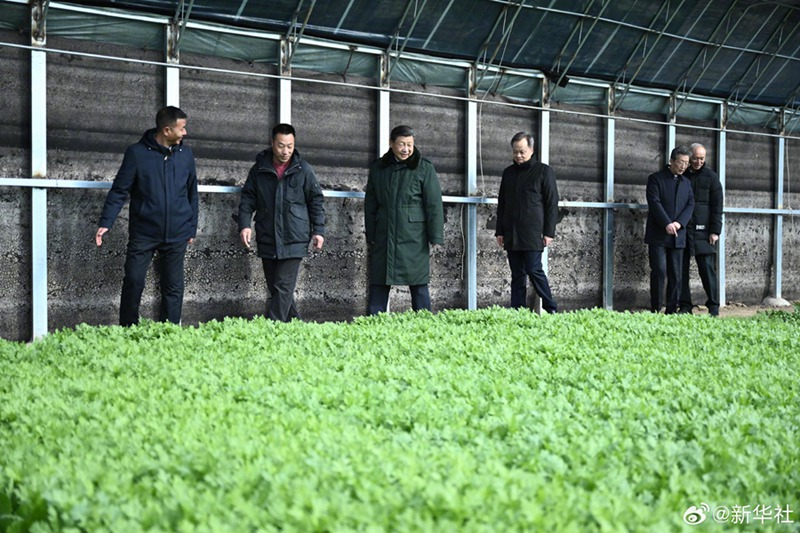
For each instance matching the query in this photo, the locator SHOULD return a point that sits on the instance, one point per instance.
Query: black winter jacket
(287, 211)
(669, 199)
(708, 205)
(527, 206)
(162, 184)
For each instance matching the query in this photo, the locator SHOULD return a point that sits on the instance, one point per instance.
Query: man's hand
(547, 241)
(500, 241)
(673, 227)
(317, 241)
(98, 237)
(245, 235)
(713, 238)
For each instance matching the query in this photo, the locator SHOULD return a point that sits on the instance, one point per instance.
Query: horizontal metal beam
(465, 98)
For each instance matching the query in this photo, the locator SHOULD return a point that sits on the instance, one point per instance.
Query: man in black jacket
(670, 202)
(283, 193)
(159, 175)
(705, 227)
(527, 214)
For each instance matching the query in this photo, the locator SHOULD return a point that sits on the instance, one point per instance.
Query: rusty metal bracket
(39, 10)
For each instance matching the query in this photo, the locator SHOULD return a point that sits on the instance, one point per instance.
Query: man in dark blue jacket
(704, 230)
(670, 203)
(158, 173)
(284, 194)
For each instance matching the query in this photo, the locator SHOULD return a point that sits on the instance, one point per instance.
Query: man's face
(283, 147)
(403, 147)
(678, 166)
(698, 158)
(174, 134)
(522, 152)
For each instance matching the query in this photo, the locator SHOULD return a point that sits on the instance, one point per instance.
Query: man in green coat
(403, 215)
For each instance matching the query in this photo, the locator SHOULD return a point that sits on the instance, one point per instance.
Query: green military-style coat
(403, 215)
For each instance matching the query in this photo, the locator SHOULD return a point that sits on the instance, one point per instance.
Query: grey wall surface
(15, 103)
(97, 107)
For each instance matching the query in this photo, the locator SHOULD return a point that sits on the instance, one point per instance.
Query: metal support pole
(777, 248)
(285, 85)
(671, 135)
(384, 126)
(608, 217)
(384, 121)
(671, 138)
(470, 188)
(671, 128)
(285, 101)
(39, 260)
(39, 170)
(544, 157)
(721, 163)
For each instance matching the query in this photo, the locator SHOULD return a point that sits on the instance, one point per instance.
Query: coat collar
(149, 139)
(412, 162)
(691, 172)
(264, 159)
(527, 164)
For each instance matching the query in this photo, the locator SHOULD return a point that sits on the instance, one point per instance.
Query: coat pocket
(416, 214)
(298, 227)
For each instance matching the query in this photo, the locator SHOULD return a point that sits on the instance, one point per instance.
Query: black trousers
(170, 276)
(528, 265)
(379, 298)
(707, 268)
(281, 276)
(665, 263)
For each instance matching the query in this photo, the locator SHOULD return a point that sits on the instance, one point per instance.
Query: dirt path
(735, 309)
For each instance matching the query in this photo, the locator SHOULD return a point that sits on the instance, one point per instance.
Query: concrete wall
(97, 107)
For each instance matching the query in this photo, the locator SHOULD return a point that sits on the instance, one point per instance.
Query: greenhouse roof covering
(740, 51)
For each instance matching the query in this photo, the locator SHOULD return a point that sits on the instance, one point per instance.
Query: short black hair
(678, 151)
(401, 131)
(522, 135)
(283, 129)
(168, 116)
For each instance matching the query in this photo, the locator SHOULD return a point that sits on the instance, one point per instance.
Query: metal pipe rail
(43, 183)
(40, 186)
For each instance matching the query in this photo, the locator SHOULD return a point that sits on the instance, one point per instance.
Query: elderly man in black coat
(527, 214)
(670, 203)
(704, 230)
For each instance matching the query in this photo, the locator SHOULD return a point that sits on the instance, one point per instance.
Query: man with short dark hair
(527, 214)
(285, 196)
(403, 216)
(670, 202)
(159, 175)
(705, 227)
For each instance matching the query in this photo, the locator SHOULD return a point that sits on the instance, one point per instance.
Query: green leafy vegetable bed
(491, 420)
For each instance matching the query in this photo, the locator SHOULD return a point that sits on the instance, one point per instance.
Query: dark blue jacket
(669, 199)
(287, 211)
(162, 184)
